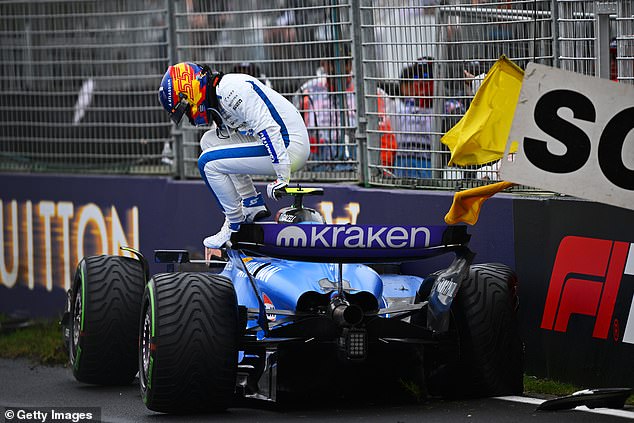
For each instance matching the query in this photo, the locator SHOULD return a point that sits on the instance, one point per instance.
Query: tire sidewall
(148, 308)
(75, 348)
(465, 364)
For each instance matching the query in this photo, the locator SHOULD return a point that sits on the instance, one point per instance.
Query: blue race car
(297, 308)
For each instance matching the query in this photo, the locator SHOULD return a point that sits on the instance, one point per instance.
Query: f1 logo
(585, 280)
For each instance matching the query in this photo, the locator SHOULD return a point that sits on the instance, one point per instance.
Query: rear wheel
(105, 307)
(482, 355)
(188, 343)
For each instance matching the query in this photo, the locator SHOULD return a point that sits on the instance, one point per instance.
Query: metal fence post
(603, 10)
(179, 152)
(554, 27)
(360, 135)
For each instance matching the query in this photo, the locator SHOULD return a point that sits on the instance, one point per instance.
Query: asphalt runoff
(24, 384)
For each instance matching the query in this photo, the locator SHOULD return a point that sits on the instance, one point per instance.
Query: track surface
(25, 385)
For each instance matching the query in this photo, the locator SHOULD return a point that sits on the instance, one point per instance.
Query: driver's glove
(271, 188)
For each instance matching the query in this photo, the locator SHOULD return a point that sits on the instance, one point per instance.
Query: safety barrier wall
(575, 259)
(51, 221)
(80, 78)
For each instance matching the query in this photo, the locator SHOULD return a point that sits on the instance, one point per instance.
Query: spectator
(474, 76)
(327, 104)
(413, 121)
(614, 67)
(294, 40)
(205, 19)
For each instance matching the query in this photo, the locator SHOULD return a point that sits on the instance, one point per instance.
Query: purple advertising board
(51, 221)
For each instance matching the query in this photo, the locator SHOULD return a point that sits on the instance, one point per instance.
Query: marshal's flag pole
(480, 136)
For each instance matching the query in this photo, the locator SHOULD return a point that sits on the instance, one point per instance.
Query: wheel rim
(145, 345)
(77, 319)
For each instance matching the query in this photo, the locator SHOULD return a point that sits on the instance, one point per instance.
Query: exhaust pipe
(343, 313)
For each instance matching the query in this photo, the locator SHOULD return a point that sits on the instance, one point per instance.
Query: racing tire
(105, 307)
(482, 355)
(188, 336)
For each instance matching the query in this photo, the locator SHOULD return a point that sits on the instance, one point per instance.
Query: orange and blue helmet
(183, 91)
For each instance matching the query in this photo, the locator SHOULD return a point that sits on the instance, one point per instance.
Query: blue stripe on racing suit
(274, 113)
(264, 137)
(228, 153)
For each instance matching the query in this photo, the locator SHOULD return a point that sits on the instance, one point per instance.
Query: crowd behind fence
(378, 82)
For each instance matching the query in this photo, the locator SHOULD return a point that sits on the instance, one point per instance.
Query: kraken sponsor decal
(351, 236)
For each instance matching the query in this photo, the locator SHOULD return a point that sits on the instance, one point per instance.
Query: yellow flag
(466, 204)
(480, 136)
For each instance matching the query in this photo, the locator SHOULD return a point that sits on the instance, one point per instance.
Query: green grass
(413, 390)
(41, 342)
(547, 387)
(535, 385)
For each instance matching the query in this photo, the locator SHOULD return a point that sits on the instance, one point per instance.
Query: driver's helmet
(304, 215)
(183, 91)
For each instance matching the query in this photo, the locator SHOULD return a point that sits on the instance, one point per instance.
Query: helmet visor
(179, 111)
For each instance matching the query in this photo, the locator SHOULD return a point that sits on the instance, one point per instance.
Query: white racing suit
(267, 137)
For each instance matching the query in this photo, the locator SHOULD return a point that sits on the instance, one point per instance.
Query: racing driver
(257, 132)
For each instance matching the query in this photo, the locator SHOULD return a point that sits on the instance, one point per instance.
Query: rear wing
(349, 243)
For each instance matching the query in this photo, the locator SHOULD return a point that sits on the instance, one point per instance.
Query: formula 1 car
(298, 307)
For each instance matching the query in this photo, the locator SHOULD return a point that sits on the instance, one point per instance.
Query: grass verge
(40, 341)
(541, 387)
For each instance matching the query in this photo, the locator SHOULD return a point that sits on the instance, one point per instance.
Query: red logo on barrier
(585, 280)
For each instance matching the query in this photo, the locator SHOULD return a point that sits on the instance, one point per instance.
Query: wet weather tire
(105, 308)
(485, 357)
(188, 343)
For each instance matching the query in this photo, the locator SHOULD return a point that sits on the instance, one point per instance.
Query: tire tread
(196, 343)
(113, 292)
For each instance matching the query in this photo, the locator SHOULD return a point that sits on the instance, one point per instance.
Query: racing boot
(255, 208)
(223, 236)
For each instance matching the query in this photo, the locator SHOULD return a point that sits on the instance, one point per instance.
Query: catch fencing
(79, 78)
